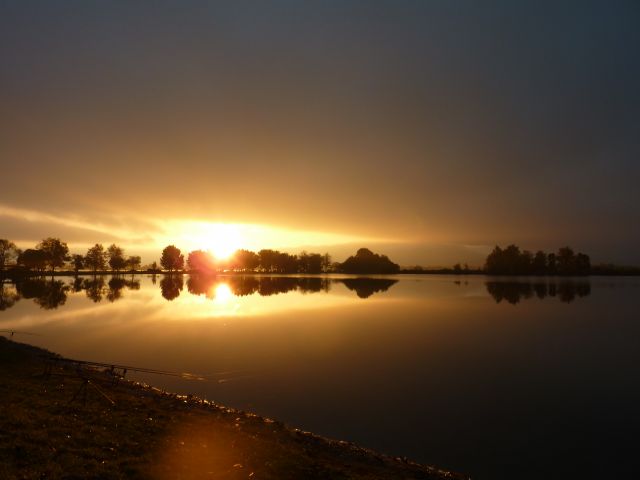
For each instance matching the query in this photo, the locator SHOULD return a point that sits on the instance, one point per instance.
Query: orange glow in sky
(222, 239)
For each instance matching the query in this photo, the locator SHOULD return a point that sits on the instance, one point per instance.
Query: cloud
(26, 225)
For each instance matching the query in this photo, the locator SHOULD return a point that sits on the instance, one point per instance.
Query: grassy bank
(146, 433)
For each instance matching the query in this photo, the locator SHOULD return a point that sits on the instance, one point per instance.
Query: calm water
(518, 379)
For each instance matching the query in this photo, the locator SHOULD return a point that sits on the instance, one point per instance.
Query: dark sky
(436, 128)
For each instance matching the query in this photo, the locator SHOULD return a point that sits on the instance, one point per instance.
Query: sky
(427, 130)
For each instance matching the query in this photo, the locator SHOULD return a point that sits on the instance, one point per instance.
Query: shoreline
(70, 273)
(167, 434)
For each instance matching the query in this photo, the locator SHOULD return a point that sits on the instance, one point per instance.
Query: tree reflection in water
(52, 293)
(49, 294)
(171, 286)
(567, 290)
(8, 296)
(94, 288)
(269, 285)
(365, 287)
(117, 284)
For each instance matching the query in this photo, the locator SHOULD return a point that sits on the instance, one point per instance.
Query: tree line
(52, 253)
(513, 261)
(266, 260)
(273, 261)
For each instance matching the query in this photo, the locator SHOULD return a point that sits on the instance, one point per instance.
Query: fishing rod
(127, 368)
(231, 375)
(12, 332)
(227, 376)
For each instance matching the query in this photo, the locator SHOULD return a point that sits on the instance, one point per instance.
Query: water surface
(518, 378)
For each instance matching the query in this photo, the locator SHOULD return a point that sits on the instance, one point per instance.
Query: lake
(499, 378)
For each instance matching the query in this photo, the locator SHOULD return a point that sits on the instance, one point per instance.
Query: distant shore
(135, 430)
(597, 272)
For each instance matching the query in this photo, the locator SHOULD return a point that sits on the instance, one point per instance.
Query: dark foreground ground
(147, 433)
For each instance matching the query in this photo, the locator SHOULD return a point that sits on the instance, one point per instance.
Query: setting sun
(221, 240)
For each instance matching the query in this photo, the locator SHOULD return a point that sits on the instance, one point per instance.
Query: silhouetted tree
(511, 261)
(552, 264)
(8, 252)
(273, 261)
(539, 263)
(365, 261)
(134, 262)
(457, 269)
(583, 264)
(326, 263)
(95, 259)
(511, 258)
(172, 259)
(566, 261)
(267, 259)
(116, 257)
(77, 261)
(525, 262)
(200, 261)
(286, 263)
(56, 250)
(246, 261)
(33, 259)
(494, 261)
(310, 262)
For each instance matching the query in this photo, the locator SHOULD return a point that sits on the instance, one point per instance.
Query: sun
(222, 240)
